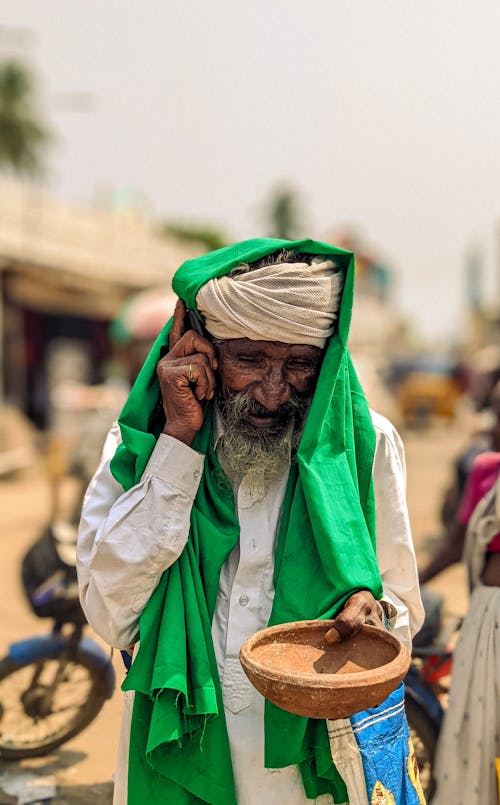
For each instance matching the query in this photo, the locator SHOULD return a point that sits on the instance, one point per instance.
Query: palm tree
(205, 234)
(284, 214)
(23, 136)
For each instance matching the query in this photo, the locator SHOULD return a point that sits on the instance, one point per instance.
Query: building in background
(65, 274)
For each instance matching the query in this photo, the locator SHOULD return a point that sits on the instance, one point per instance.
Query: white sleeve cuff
(390, 610)
(176, 464)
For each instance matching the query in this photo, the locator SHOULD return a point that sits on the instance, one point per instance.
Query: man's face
(276, 378)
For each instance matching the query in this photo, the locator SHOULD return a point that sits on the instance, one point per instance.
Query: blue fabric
(383, 739)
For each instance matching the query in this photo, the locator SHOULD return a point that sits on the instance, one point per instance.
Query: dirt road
(81, 770)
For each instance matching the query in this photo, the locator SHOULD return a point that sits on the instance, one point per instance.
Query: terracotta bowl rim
(398, 666)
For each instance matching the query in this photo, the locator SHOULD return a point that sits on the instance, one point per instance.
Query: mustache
(285, 411)
(237, 406)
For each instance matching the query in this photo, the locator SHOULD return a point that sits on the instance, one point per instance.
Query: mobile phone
(192, 322)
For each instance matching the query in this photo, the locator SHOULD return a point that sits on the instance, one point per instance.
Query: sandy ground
(82, 769)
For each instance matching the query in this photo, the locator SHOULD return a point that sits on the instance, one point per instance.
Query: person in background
(481, 440)
(467, 767)
(247, 484)
(480, 477)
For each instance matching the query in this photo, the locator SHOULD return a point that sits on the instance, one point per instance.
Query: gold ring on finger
(190, 373)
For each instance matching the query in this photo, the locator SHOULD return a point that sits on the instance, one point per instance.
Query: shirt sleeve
(127, 539)
(395, 550)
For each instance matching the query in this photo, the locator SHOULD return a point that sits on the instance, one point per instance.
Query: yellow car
(422, 395)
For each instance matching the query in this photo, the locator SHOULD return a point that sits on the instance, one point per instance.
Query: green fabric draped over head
(179, 749)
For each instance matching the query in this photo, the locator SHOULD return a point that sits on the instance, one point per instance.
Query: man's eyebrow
(249, 351)
(306, 353)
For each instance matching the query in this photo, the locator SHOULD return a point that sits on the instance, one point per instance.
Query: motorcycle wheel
(424, 734)
(44, 703)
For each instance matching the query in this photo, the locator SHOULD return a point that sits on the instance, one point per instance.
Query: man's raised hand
(186, 375)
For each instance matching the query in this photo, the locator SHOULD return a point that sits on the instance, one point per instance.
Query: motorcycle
(52, 686)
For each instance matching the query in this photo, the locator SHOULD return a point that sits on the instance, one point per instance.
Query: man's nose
(273, 390)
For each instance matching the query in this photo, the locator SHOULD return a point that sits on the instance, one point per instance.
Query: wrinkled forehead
(267, 348)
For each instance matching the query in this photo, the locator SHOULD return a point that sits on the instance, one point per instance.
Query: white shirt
(127, 539)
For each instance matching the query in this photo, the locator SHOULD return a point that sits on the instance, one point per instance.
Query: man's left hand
(360, 608)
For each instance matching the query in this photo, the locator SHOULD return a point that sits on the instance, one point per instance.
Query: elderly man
(240, 489)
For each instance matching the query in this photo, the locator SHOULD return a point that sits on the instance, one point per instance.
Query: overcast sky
(383, 113)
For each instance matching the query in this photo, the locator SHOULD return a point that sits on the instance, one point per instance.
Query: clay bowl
(293, 667)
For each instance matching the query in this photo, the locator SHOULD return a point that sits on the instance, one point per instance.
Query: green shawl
(179, 750)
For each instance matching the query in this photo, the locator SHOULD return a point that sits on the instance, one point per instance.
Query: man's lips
(262, 421)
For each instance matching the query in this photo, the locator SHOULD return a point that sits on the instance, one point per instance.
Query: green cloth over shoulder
(179, 750)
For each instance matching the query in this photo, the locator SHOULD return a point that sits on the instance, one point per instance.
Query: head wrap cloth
(325, 552)
(295, 303)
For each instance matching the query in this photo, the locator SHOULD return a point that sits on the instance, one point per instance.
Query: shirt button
(243, 599)
(196, 475)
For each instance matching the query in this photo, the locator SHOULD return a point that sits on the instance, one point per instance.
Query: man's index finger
(177, 329)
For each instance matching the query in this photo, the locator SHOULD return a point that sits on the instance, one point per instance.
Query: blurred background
(134, 136)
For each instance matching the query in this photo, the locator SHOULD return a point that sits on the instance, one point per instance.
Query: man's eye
(247, 359)
(301, 366)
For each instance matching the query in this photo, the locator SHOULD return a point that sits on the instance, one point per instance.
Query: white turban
(294, 303)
